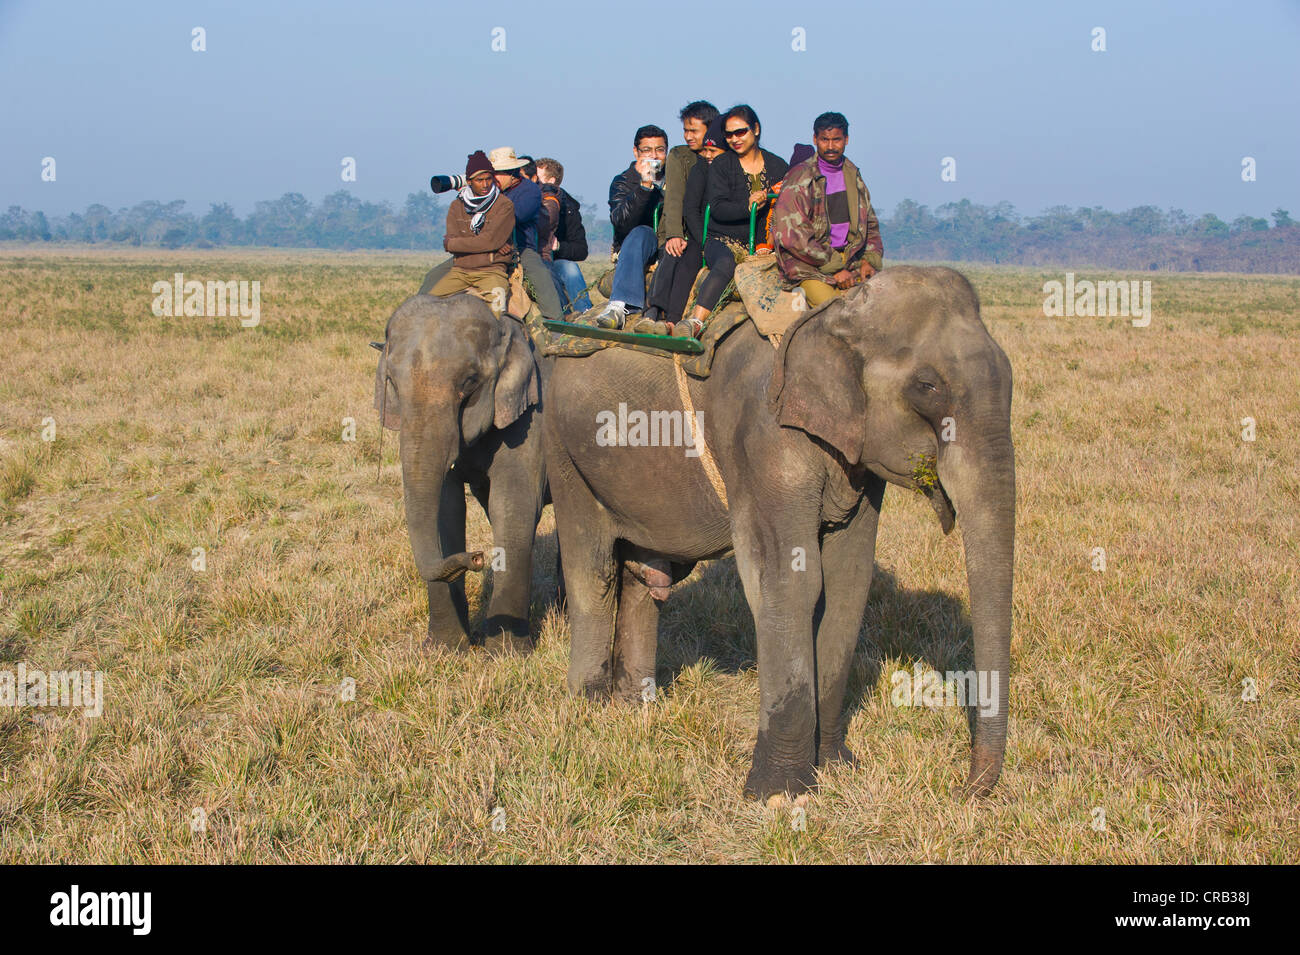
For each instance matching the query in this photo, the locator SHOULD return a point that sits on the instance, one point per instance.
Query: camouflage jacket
(801, 230)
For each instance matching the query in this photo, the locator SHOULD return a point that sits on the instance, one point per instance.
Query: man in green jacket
(824, 231)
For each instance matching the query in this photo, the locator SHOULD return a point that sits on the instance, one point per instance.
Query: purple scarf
(837, 202)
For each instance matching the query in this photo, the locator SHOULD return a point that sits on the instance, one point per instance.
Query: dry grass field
(1155, 705)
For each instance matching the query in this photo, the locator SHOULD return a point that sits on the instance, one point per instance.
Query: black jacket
(570, 233)
(630, 205)
(693, 204)
(727, 195)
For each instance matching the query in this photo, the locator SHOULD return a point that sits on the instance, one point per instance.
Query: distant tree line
(1144, 238)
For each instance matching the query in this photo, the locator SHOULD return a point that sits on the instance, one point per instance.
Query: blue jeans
(571, 286)
(634, 255)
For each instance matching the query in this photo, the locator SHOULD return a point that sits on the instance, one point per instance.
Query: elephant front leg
(506, 628)
(848, 561)
(781, 574)
(636, 639)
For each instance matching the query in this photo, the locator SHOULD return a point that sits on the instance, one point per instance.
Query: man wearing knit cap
(526, 199)
(825, 233)
(479, 226)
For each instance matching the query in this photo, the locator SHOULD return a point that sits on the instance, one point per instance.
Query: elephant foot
(770, 777)
(447, 641)
(983, 777)
(590, 678)
(635, 691)
(597, 691)
(835, 752)
(507, 636)
(506, 644)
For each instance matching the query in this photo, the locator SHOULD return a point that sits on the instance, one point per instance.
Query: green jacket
(801, 229)
(676, 168)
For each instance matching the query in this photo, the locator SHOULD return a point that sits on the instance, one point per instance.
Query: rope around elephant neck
(706, 456)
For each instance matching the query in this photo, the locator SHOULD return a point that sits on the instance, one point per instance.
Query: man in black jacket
(569, 244)
(634, 198)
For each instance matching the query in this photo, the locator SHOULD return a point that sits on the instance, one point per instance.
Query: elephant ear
(516, 385)
(386, 402)
(817, 384)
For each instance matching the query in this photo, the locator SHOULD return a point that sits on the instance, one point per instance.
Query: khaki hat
(503, 159)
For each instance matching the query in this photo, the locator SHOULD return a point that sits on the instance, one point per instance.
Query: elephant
(894, 382)
(463, 389)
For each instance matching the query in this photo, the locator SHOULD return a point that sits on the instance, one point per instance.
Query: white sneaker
(612, 315)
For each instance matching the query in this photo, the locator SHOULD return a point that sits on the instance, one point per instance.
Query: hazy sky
(1012, 90)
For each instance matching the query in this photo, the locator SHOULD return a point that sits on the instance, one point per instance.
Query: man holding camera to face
(526, 199)
(635, 195)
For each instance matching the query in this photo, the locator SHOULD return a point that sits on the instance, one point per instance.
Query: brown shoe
(648, 326)
(688, 328)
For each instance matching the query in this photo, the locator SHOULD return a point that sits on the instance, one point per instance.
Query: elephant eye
(928, 385)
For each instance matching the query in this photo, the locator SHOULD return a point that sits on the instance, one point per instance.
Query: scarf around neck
(478, 206)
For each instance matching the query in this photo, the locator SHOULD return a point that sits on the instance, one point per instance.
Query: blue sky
(1011, 90)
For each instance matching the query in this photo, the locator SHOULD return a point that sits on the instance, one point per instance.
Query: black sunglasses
(739, 131)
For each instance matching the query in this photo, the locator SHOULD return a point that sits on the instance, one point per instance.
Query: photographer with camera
(634, 196)
(479, 225)
(526, 199)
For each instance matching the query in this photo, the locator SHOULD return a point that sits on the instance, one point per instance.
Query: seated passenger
(527, 198)
(569, 244)
(738, 181)
(684, 270)
(679, 260)
(479, 224)
(548, 220)
(825, 233)
(634, 195)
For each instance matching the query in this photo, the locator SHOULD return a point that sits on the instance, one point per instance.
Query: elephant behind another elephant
(463, 389)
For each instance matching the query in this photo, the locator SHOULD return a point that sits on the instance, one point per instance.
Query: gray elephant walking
(463, 388)
(895, 382)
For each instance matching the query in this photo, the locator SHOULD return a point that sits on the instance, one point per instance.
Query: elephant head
(450, 373)
(901, 378)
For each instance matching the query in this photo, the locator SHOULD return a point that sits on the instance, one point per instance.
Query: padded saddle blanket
(764, 300)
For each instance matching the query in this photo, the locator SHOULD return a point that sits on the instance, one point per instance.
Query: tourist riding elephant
(462, 387)
(896, 381)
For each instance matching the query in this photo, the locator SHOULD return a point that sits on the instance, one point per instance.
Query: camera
(447, 183)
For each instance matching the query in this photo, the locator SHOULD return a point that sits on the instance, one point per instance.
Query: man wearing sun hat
(526, 198)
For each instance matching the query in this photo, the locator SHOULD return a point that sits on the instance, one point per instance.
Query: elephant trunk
(430, 444)
(981, 481)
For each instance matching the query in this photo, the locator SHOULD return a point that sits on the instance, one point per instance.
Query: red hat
(476, 163)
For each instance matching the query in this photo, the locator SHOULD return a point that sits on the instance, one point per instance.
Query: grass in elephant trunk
(1161, 690)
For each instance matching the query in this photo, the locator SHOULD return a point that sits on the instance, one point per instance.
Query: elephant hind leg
(636, 638)
(591, 595)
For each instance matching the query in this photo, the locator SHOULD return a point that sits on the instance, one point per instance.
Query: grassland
(224, 688)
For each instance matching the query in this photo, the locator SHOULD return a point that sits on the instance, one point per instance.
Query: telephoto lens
(446, 183)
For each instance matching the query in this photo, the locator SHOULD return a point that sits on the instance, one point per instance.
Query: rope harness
(706, 456)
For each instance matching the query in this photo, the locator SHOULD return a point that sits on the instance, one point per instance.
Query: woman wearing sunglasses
(737, 180)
